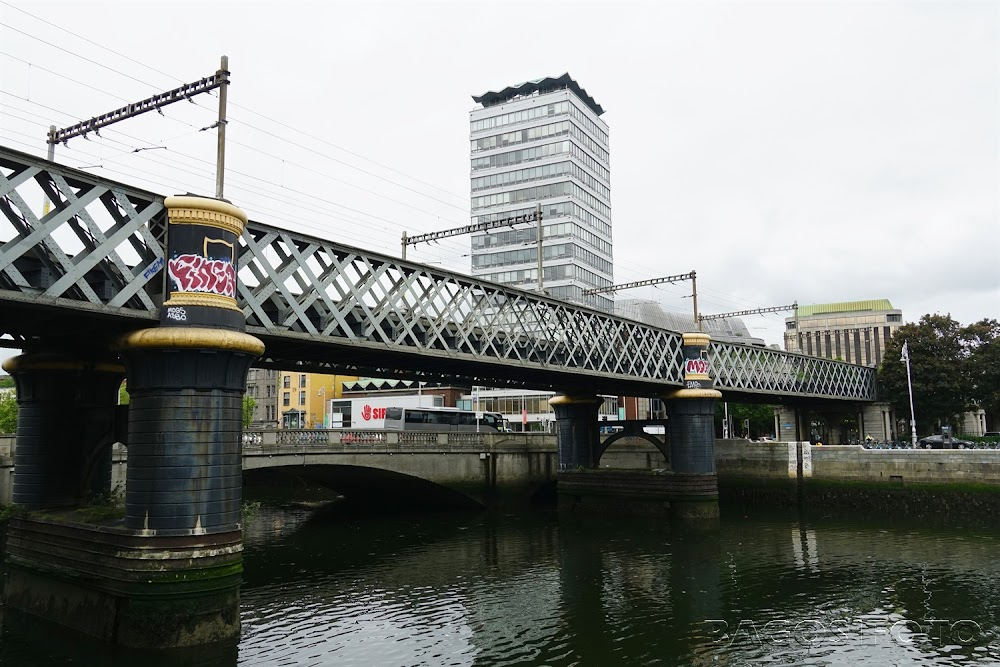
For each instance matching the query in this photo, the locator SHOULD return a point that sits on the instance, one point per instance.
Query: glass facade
(530, 235)
(550, 211)
(571, 180)
(509, 178)
(532, 134)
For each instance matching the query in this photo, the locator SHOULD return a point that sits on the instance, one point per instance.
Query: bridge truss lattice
(92, 267)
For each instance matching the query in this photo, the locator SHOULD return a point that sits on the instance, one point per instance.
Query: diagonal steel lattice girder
(91, 267)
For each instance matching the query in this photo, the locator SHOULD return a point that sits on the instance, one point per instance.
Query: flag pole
(909, 386)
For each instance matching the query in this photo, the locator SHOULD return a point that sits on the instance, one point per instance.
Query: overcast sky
(796, 151)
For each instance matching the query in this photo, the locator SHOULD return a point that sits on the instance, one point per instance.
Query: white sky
(795, 151)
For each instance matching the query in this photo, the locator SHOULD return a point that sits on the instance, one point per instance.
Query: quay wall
(779, 472)
(852, 478)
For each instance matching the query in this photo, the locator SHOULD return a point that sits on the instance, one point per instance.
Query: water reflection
(26, 641)
(468, 589)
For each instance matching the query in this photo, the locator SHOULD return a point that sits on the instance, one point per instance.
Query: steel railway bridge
(92, 269)
(181, 295)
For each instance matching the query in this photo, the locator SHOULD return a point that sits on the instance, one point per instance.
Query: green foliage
(8, 512)
(983, 339)
(251, 508)
(953, 369)
(8, 413)
(123, 397)
(6, 382)
(104, 507)
(761, 419)
(249, 403)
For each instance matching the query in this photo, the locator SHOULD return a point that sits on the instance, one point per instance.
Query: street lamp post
(909, 385)
(326, 413)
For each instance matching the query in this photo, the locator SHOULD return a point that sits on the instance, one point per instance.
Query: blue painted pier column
(186, 380)
(66, 425)
(169, 573)
(691, 434)
(577, 430)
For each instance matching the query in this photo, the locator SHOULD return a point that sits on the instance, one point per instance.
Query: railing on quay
(374, 440)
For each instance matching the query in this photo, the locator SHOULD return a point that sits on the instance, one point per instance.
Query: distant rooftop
(541, 86)
(729, 330)
(845, 307)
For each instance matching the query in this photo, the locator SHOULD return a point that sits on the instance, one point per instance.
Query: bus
(442, 420)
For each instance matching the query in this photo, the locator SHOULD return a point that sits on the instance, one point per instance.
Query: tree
(761, 418)
(939, 368)
(249, 403)
(983, 340)
(123, 397)
(8, 413)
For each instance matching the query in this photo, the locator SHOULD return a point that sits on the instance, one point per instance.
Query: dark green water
(540, 589)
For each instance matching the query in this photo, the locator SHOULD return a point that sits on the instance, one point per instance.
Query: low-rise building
(851, 331)
(302, 398)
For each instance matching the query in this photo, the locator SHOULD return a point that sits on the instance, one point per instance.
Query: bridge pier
(577, 431)
(169, 574)
(688, 492)
(65, 429)
(691, 434)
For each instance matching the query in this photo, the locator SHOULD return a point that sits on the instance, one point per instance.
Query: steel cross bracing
(96, 250)
(757, 370)
(313, 287)
(92, 268)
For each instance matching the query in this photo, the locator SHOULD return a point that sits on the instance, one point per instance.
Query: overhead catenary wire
(459, 254)
(238, 120)
(275, 215)
(89, 60)
(172, 182)
(714, 299)
(89, 41)
(324, 175)
(458, 250)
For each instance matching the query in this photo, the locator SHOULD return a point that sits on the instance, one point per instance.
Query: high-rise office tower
(543, 143)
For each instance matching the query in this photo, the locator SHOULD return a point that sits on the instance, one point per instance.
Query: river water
(336, 588)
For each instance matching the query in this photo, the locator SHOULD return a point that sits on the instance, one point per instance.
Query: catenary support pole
(220, 162)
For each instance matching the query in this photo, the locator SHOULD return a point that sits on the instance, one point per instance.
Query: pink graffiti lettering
(696, 366)
(194, 273)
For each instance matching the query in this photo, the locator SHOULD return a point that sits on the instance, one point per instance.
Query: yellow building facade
(302, 397)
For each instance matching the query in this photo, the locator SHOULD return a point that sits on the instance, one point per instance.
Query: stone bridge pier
(167, 575)
(836, 426)
(688, 491)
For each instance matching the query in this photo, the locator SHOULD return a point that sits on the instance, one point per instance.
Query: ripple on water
(554, 592)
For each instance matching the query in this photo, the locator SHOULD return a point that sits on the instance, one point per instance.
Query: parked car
(937, 442)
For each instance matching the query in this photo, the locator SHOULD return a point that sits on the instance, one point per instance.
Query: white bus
(442, 420)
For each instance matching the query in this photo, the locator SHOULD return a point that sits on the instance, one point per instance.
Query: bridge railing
(300, 440)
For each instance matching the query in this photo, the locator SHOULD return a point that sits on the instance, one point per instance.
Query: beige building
(262, 387)
(851, 331)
